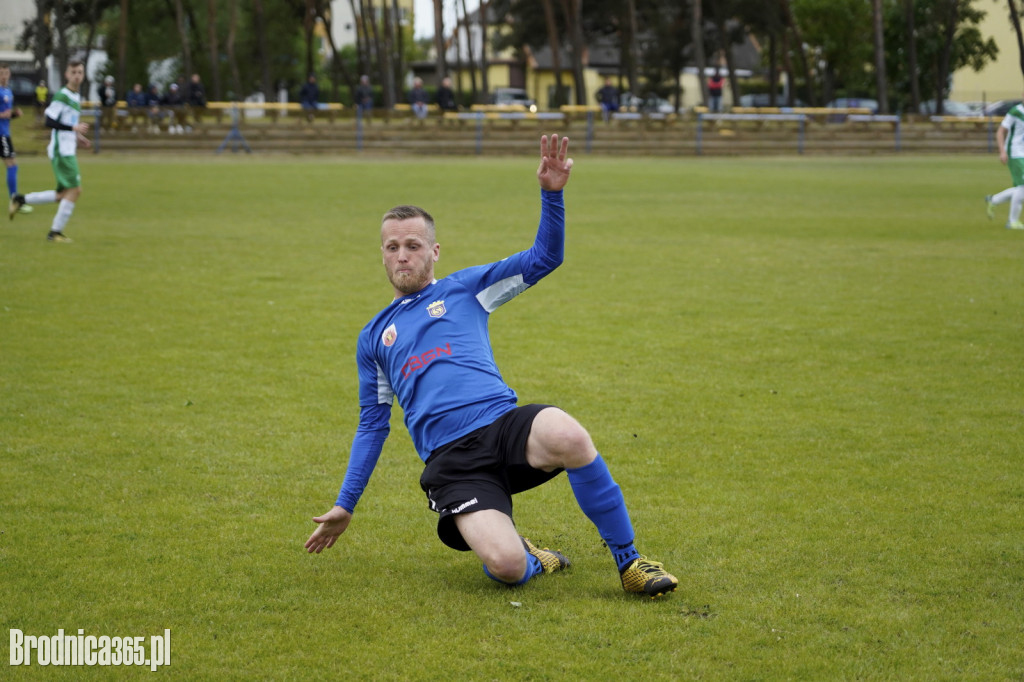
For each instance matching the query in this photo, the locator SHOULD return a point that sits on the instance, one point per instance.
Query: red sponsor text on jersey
(418, 362)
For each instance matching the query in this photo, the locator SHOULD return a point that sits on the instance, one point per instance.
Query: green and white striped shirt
(1014, 124)
(65, 108)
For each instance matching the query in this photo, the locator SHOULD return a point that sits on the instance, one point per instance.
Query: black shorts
(6, 147)
(482, 470)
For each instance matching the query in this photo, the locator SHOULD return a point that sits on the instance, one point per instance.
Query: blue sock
(533, 567)
(12, 180)
(601, 500)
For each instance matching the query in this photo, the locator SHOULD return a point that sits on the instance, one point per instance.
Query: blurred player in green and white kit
(67, 132)
(1010, 138)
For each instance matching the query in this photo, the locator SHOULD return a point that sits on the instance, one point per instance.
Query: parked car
(24, 90)
(1000, 108)
(949, 108)
(514, 97)
(649, 104)
(854, 103)
(764, 99)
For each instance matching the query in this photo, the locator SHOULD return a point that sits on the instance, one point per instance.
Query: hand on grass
(555, 163)
(332, 524)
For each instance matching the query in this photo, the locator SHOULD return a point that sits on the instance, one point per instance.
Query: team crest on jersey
(389, 335)
(436, 309)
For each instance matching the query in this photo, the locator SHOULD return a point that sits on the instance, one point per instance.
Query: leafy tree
(838, 33)
(947, 38)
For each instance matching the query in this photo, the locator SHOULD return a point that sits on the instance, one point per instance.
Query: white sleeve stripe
(385, 394)
(501, 292)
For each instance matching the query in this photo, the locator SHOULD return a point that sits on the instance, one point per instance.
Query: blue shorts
(482, 470)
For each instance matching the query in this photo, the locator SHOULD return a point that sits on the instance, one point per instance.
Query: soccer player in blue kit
(430, 348)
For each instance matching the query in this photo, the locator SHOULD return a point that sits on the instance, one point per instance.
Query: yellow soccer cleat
(550, 559)
(644, 576)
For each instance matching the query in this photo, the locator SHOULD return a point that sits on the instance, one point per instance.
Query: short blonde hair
(405, 212)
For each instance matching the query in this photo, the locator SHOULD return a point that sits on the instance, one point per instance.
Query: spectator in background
(608, 98)
(418, 98)
(715, 91)
(446, 97)
(196, 95)
(108, 101)
(309, 96)
(173, 108)
(363, 96)
(136, 97)
(42, 99)
(153, 98)
(136, 101)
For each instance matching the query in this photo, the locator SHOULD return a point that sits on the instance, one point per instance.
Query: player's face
(5, 75)
(74, 76)
(409, 254)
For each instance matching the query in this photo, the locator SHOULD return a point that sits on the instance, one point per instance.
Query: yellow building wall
(1001, 79)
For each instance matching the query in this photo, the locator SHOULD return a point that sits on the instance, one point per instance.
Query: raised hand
(555, 164)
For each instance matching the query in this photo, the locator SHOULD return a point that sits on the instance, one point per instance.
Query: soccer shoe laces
(645, 576)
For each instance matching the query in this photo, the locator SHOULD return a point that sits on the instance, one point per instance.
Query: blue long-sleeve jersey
(6, 104)
(432, 351)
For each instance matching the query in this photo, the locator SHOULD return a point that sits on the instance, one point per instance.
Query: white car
(949, 108)
(514, 97)
(651, 104)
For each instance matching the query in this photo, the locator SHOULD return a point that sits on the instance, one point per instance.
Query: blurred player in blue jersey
(7, 153)
(430, 348)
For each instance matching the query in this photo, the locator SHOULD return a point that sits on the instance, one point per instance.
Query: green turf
(804, 373)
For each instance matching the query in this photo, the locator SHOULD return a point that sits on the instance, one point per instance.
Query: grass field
(805, 373)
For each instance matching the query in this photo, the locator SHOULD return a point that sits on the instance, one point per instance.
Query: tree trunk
(399, 48)
(377, 45)
(630, 47)
(186, 53)
(915, 85)
(211, 29)
(236, 78)
(726, 48)
(392, 84)
(773, 70)
(308, 24)
(553, 42)
(1015, 18)
(362, 39)
(93, 23)
(464, 24)
(439, 66)
(800, 53)
(261, 36)
(697, 37)
(485, 86)
(942, 74)
(122, 47)
(337, 65)
(787, 66)
(880, 80)
(574, 23)
(60, 48)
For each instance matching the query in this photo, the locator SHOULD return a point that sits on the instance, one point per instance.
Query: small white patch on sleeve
(501, 292)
